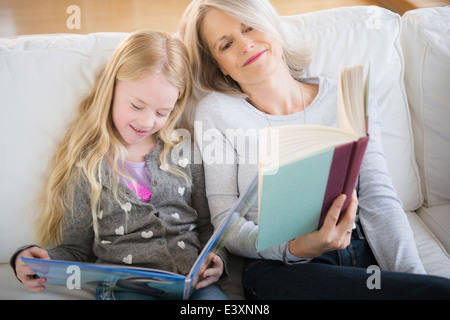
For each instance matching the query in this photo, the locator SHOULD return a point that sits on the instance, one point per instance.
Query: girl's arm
(24, 273)
(78, 232)
(76, 244)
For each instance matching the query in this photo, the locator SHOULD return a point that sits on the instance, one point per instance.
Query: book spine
(359, 150)
(344, 171)
(336, 177)
(187, 288)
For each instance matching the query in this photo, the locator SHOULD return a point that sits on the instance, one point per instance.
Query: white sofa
(42, 77)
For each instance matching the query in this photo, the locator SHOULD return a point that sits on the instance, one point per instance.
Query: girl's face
(247, 55)
(140, 108)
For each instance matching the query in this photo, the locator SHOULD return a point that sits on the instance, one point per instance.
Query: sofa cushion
(434, 256)
(42, 80)
(437, 218)
(354, 35)
(426, 44)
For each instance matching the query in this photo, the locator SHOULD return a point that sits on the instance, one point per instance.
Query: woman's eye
(136, 107)
(248, 29)
(226, 46)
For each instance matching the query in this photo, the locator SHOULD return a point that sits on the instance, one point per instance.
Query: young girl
(113, 194)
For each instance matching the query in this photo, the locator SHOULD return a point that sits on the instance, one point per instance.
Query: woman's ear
(223, 71)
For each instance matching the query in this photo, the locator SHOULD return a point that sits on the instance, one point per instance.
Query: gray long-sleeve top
(226, 131)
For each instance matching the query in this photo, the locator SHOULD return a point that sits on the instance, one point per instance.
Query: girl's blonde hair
(258, 14)
(91, 138)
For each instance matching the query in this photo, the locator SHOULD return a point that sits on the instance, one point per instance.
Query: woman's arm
(221, 175)
(381, 213)
(226, 177)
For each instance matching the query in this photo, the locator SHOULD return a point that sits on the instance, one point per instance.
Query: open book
(303, 168)
(158, 283)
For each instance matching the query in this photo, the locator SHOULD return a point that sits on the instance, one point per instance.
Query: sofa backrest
(363, 35)
(426, 43)
(42, 79)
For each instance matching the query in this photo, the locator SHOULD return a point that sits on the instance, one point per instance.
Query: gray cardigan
(167, 233)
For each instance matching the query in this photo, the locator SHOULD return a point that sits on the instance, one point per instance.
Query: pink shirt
(143, 177)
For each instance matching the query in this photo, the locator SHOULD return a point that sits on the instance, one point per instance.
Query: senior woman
(243, 55)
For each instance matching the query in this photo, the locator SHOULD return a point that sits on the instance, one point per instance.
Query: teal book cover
(303, 168)
(292, 207)
(294, 199)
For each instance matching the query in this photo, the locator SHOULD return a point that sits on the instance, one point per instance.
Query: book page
(352, 100)
(284, 144)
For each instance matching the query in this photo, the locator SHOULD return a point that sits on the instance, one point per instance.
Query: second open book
(303, 168)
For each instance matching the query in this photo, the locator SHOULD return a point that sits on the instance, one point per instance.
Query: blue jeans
(340, 274)
(211, 292)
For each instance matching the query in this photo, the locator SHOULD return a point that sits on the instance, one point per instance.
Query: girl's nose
(147, 122)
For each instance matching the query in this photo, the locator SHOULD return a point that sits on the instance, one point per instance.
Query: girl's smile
(139, 132)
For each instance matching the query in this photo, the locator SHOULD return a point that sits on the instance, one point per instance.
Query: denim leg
(274, 280)
(341, 274)
(211, 292)
(107, 293)
(267, 279)
(125, 295)
(358, 253)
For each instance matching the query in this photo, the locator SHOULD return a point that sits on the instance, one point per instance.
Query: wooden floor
(19, 17)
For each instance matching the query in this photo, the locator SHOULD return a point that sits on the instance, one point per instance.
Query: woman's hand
(212, 273)
(25, 274)
(333, 235)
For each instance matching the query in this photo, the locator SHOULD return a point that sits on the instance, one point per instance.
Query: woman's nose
(246, 44)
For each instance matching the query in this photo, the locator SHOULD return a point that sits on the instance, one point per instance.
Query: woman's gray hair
(258, 14)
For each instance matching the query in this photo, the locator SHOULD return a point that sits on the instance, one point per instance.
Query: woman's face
(247, 55)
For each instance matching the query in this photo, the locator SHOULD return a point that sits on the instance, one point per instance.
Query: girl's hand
(212, 273)
(25, 274)
(333, 235)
